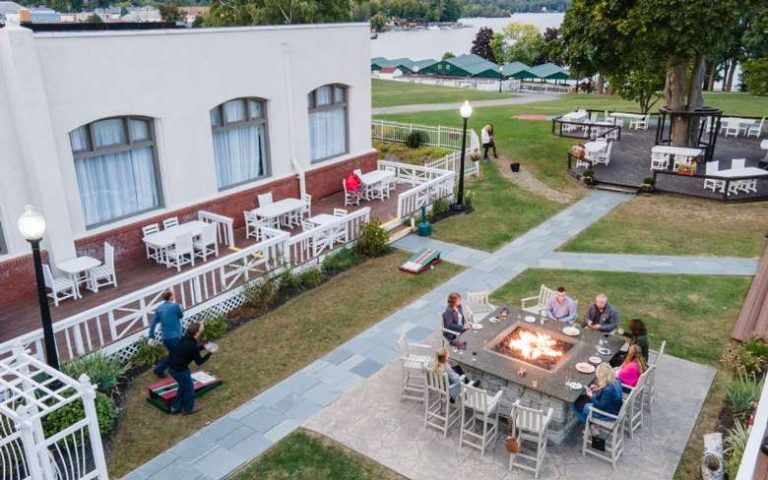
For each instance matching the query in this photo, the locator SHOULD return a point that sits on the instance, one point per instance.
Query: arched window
(116, 167)
(327, 122)
(240, 141)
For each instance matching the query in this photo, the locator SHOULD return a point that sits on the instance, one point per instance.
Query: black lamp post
(466, 112)
(32, 227)
(501, 76)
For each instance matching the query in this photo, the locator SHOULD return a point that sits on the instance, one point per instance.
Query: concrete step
(617, 188)
(398, 233)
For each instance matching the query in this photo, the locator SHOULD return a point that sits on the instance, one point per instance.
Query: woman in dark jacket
(453, 318)
(638, 335)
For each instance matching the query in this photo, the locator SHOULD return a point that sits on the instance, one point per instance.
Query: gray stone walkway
(650, 264)
(431, 107)
(237, 438)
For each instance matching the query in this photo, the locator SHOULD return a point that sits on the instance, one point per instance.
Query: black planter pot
(515, 166)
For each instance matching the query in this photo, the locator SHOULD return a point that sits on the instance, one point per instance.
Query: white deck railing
(429, 184)
(752, 450)
(115, 326)
(452, 161)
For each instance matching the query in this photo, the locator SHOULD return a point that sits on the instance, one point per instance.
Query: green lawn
(669, 225)
(305, 455)
(269, 349)
(388, 93)
(502, 212)
(693, 313)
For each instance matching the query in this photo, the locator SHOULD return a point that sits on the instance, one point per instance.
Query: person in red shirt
(353, 183)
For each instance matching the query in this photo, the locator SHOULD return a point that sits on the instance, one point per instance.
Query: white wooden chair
(170, 222)
(306, 225)
(103, 275)
(439, 412)
(414, 360)
(207, 244)
(714, 184)
(444, 331)
(530, 425)
(603, 156)
(252, 225)
(609, 427)
(640, 123)
(340, 212)
(265, 199)
(357, 172)
(650, 383)
(61, 288)
(479, 306)
(634, 398)
(659, 161)
(391, 183)
(542, 299)
(478, 407)
(731, 127)
(152, 252)
(755, 130)
(306, 212)
(350, 198)
(181, 253)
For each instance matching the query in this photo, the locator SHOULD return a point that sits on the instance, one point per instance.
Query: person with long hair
(454, 372)
(605, 394)
(454, 319)
(633, 366)
(638, 335)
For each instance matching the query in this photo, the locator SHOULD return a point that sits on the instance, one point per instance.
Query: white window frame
(335, 103)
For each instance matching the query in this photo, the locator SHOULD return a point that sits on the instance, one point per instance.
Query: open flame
(534, 345)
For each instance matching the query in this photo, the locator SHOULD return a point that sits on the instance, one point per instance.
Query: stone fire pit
(497, 365)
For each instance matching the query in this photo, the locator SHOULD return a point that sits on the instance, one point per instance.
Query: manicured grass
(388, 93)
(693, 313)
(305, 455)
(269, 349)
(668, 225)
(502, 212)
(738, 103)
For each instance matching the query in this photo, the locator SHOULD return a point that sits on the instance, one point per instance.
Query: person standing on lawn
(168, 315)
(486, 139)
(186, 351)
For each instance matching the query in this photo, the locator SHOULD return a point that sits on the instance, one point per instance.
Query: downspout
(288, 84)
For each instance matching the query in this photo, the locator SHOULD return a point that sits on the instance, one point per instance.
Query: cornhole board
(421, 260)
(162, 393)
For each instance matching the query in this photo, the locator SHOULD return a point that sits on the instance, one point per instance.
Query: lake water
(421, 44)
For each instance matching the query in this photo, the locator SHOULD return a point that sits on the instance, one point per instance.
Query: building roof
(550, 70)
(518, 70)
(424, 63)
(474, 64)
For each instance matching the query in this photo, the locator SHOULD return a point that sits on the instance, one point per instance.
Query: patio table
(166, 239)
(78, 266)
(274, 211)
(374, 177)
(325, 219)
(621, 116)
(336, 234)
(741, 172)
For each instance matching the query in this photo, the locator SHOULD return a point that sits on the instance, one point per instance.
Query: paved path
(243, 434)
(431, 107)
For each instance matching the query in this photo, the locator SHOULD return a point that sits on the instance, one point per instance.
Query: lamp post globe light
(32, 227)
(466, 112)
(501, 76)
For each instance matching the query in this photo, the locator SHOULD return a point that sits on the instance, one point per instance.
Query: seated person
(633, 366)
(454, 319)
(601, 315)
(353, 183)
(455, 373)
(605, 394)
(638, 335)
(561, 308)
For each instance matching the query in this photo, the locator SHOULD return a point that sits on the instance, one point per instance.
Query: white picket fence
(29, 391)
(213, 288)
(429, 184)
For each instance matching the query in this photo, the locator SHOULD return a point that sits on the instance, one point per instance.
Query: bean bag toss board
(421, 260)
(162, 393)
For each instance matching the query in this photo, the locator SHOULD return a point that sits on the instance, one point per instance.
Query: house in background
(388, 73)
(158, 123)
(191, 13)
(470, 65)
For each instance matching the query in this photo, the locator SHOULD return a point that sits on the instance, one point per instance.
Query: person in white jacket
(486, 138)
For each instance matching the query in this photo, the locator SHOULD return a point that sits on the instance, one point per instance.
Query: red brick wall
(17, 277)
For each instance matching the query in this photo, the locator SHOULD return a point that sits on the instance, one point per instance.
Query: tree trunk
(600, 84)
(712, 76)
(726, 69)
(674, 91)
(730, 74)
(695, 98)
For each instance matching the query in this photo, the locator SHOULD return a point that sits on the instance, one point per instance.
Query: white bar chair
(478, 407)
(712, 183)
(439, 412)
(732, 127)
(181, 253)
(207, 244)
(414, 361)
(659, 161)
(152, 252)
(61, 288)
(634, 397)
(656, 357)
(170, 222)
(530, 425)
(350, 198)
(609, 427)
(103, 275)
(755, 130)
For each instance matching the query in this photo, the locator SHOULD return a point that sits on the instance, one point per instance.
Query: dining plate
(603, 350)
(595, 360)
(571, 331)
(530, 319)
(494, 320)
(477, 326)
(584, 367)
(575, 385)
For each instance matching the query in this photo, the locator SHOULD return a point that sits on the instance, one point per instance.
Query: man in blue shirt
(168, 315)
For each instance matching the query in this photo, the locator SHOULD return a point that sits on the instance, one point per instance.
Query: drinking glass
(474, 356)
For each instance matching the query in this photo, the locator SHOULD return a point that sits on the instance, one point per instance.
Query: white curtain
(240, 154)
(79, 139)
(109, 132)
(327, 132)
(117, 184)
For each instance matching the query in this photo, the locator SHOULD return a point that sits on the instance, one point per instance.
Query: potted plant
(648, 185)
(686, 168)
(588, 177)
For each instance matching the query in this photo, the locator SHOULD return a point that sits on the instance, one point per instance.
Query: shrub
(373, 240)
(750, 357)
(103, 370)
(416, 138)
(72, 413)
(215, 327)
(148, 354)
(469, 195)
(311, 278)
(743, 392)
(649, 181)
(287, 282)
(261, 295)
(340, 260)
(735, 442)
(441, 206)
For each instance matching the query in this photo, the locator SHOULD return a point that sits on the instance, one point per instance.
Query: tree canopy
(277, 12)
(481, 46)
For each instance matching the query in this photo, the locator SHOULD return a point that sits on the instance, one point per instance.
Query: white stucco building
(104, 132)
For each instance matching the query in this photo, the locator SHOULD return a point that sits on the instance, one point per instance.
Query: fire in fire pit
(536, 348)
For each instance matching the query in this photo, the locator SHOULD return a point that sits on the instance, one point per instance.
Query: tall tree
(277, 12)
(499, 48)
(170, 12)
(524, 43)
(481, 46)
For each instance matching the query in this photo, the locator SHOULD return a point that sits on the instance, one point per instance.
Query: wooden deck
(753, 317)
(24, 316)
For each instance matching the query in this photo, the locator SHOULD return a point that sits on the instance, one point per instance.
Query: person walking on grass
(168, 315)
(486, 139)
(187, 350)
